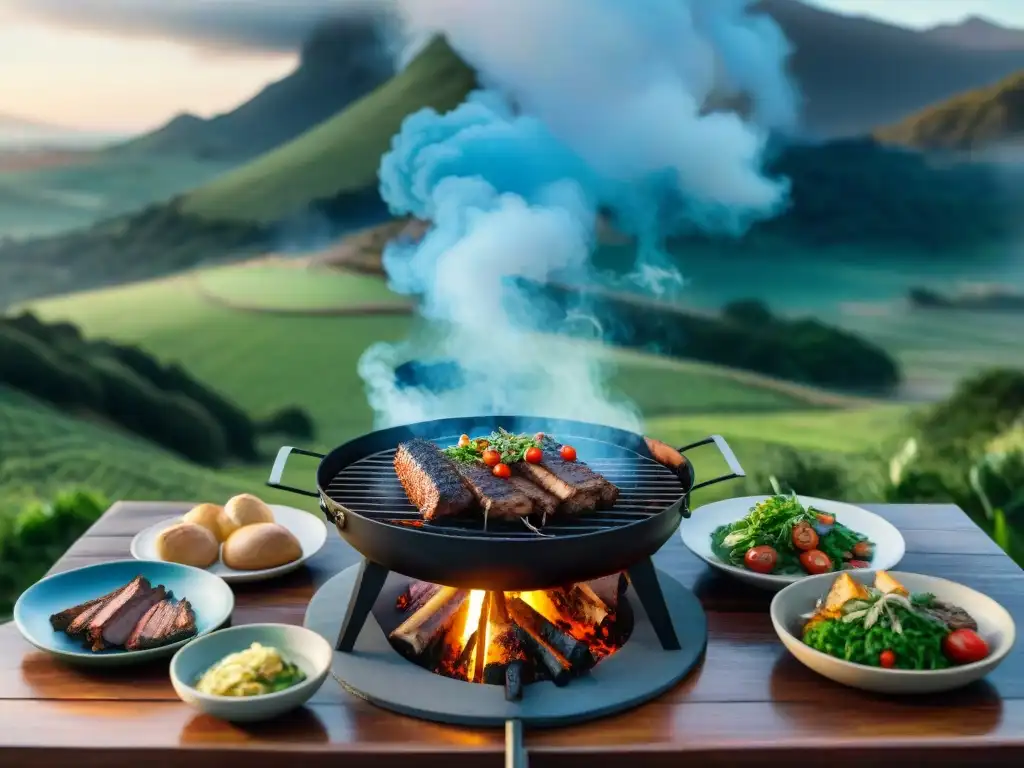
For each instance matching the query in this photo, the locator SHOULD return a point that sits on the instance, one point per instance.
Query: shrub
(289, 421)
(29, 365)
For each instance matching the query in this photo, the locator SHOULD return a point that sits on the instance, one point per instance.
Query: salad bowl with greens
(892, 632)
(773, 541)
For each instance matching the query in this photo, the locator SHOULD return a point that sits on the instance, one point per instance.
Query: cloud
(261, 25)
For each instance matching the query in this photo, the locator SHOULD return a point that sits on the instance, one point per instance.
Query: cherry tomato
(825, 518)
(481, 444)
(863, 550)
(964, 646)
(463, 441)
(887, 659)
(502, 470)
(761, 559)
(815, 561)
(858, 563)
(568, 453)
(533, 455)
(804, 536)
(491, 458)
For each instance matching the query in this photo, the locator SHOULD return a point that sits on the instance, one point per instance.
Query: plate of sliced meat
(122, 612)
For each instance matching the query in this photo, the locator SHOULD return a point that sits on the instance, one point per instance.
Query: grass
(341, 154)
(283, 286)
(43, 451)
(267, 361)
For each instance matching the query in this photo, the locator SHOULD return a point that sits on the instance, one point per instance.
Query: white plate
(696, 533)
(995, 625)
(307, 527)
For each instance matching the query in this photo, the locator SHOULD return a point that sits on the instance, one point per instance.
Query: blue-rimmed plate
(210, 597)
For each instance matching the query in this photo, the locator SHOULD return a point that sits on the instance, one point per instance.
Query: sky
(129, 65)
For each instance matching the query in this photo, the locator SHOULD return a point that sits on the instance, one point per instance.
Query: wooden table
(749, 704)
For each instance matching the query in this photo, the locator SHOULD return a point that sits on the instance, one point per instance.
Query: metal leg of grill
(644, 579)
(369, 583)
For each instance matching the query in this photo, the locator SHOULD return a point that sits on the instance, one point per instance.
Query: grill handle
(735, 470)
(277, 471)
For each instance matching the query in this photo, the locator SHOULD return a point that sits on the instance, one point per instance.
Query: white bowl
(995, 625)
(696, 533)
(307, 527)
(303, 647)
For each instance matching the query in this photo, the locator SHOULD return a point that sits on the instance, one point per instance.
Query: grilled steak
(118, 628)
(953, 616)
(131, 602)
(62, 621)
(543, 502)
(577, 487)
(166, 622)
(431, 480)
(579, 474)
(499, 499)
(76, 629)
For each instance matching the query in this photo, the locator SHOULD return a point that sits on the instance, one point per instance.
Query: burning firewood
(610, 589)
(580, 603)
(415, 595)
(547, 640)
(414, 636)
(506, 656)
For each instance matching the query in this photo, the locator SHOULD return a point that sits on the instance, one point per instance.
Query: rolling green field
(265, 361)
(272, 286)
(341, 154)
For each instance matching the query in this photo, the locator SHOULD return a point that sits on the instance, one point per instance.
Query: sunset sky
(127, 65)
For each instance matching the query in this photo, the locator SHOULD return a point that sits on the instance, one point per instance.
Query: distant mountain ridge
(343, 60)
(976, 120)
(856, 73)
(979, 33)
(18, 133)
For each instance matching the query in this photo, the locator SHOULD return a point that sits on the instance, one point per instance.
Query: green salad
(887, 626)
(781, 536)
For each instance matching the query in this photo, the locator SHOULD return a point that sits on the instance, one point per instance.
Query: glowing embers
(512, 638)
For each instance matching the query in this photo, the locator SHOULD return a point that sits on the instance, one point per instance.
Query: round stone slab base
(639, 671)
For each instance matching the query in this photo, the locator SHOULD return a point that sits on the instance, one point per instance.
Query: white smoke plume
(589, 105)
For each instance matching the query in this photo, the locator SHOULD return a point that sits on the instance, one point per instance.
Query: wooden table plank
(748, 695)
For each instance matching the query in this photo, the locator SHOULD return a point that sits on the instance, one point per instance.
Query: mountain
(340, 156)
(342, 60)
(978, 119)
(979, 33)
(857, 73)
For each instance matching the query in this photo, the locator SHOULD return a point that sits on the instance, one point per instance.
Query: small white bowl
(995, 625)
(696, 534)
(301, 646)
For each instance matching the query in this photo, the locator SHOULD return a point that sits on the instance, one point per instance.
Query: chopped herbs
(512, 447)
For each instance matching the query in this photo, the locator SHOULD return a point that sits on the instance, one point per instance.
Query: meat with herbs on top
(503, 476)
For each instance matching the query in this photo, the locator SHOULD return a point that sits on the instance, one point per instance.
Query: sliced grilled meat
(61, 621)
(431, 480)
(953, 616)
(126, 600)
(117, 629)
(543, 502)
(77, 628)
(498, 498)
(166, 622)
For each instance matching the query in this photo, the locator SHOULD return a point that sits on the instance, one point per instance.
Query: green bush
(294, 422)
(29, 365)
(33, 538)
(168, 419)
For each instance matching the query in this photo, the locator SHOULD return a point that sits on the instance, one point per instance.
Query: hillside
(343, 60)
(979, 32)
(342, 154)
(18, 133)
(977, 119)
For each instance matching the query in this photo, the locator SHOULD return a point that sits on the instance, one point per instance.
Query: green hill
(340, 155)
(973, 120)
